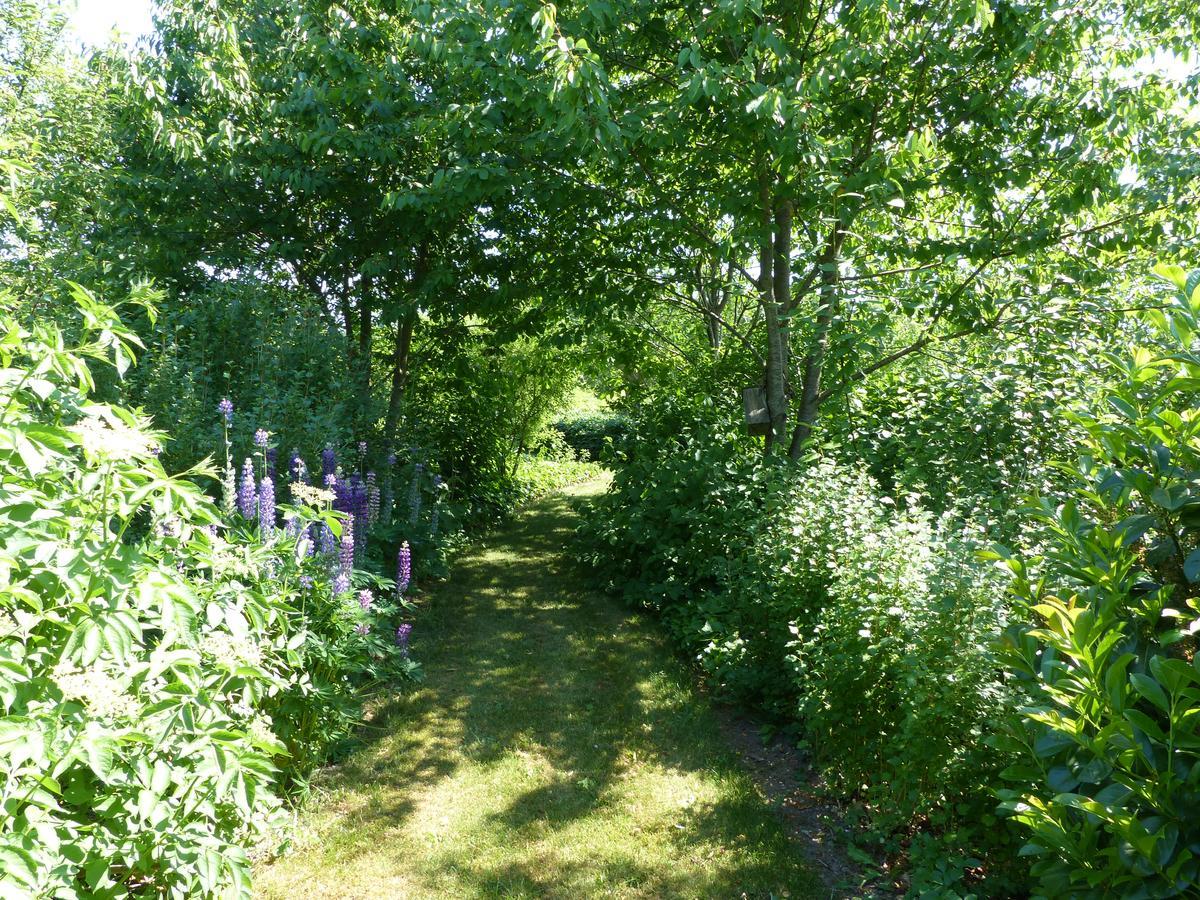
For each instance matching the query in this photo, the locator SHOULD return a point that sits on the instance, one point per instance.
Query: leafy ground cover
(555, 750)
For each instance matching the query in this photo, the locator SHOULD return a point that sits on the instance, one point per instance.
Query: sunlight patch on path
(556, 750)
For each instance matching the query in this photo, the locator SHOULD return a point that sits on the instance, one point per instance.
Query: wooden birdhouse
(758, 418)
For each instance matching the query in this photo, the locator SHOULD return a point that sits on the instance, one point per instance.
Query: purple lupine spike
(362, 629)
(391, 459)
(327, 541)
(330, 481)
(247, 494)
(341, 584)
(225, 408)
(328, 462)
(261, 438)
(403, 569)
(346, 550)
(272, 455)
(306, 582)
(362, 448)
(266, 507)
(365, 599)
(293, 527)
(403, 634)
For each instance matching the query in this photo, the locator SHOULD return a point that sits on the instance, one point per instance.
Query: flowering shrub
(162, 671)
(863, 627)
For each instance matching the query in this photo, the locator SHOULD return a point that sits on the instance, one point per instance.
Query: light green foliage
(160, 671)
(1110, 774)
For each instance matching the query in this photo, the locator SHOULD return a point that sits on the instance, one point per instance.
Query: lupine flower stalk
(266, 507)
(247, 494)
(414, 495)
(341, 584)
(229, 479)
(403, 634)
(328, 463)
(372, 500)
(346, 550)
(403, 569)
(365, 599)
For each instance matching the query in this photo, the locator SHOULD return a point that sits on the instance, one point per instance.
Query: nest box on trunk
(758, 418)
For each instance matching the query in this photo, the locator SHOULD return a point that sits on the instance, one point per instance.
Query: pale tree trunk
(814, 363)
(776, 337)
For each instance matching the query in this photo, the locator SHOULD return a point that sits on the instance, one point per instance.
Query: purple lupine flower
(365, 599)
(328, 462)
(372, 499)
(391, 459)
(247, 495)
(293, 527)
(306, 582)
(341, 584)
(331, 481)
(403, 633)
(266, 507)
(362, 629)
(272, 455)
(403, 568)
(327, 541)
(362, 448)
(225, 408)
(346, 550)
(261, 438)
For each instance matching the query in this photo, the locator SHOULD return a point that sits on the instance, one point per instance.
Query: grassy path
(556, 750)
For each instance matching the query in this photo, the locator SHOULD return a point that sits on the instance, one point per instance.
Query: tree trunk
(364, 358)
(400, 368)
(776, 338)
(814, 363)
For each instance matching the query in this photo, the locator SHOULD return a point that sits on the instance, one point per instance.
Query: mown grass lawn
(556, 750)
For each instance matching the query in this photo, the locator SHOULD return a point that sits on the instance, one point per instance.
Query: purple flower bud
(403, 569)
(403, 633)
(247, 495)
(341, 584)
(365, 599)
(362, 629)
(328, 462)
(331, 480)
(391, 459)
(266, 508)
(261, 438)
(362, 447)
(306, 582)
(225, 408)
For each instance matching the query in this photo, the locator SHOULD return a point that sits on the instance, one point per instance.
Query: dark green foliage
(592, 434)
(266, 348)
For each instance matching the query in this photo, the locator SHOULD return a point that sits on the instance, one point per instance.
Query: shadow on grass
(521, 658)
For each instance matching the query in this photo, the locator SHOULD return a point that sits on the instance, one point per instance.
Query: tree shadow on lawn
(523, 659)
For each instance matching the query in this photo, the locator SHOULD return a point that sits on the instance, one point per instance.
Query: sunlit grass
(556, 750)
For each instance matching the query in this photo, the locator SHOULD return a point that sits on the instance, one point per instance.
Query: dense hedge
(811, 594)
(589, 434)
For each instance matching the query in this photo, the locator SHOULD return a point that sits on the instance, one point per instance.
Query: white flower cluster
(102, 694)
(310, 495)
(231, 651)
(112, 439)
(259, 729)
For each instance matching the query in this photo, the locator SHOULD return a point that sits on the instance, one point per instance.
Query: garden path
(556, 749)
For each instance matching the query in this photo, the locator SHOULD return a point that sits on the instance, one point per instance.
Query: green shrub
(591, 433)
(807, 592)
(1108, 781)
(161, 671)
